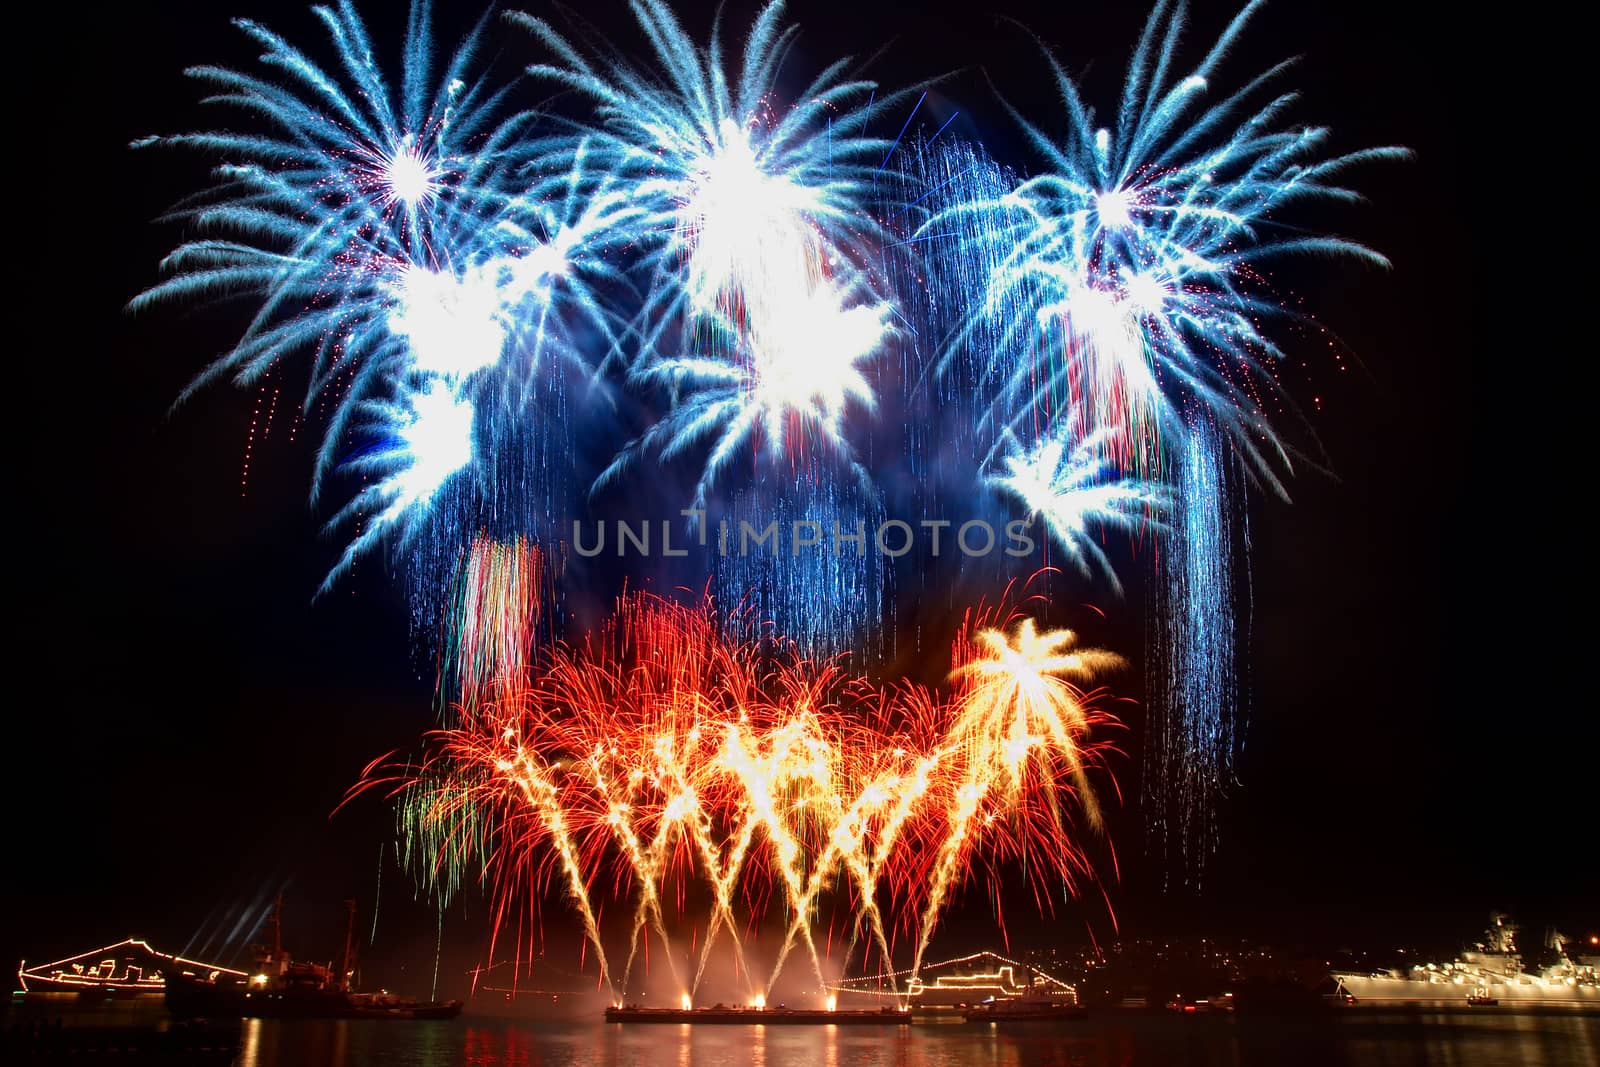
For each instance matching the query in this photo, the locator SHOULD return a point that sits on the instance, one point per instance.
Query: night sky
(189, 716)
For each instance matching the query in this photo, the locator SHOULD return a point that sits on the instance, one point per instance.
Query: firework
(662, 753)
(747, 201)
(409, 239)
(792, 377)
(1064, 480)
(761, 321)
(1136, 255)
(457, 272)
(756, 220)
(1117, 307)
(1058, 462)
(340, 198)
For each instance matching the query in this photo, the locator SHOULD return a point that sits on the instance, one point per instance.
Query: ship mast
(276, 923)
(347, 960)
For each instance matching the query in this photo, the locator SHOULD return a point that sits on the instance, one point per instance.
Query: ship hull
(1027, 1015)
(92, 990)
(1372, 990)
(188, 999)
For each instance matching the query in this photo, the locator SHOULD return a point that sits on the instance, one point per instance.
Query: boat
(1489, 973)
(1185, 1005)
(1029, 1008)
(281, 987)
(958, 986)
(126, 969)
(1038, 997)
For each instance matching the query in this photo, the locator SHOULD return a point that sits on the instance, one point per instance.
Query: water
(1412, 1039)
(1422, 1037)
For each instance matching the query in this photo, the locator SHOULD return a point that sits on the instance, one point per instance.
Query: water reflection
(1418, 1039)
(934, 1045)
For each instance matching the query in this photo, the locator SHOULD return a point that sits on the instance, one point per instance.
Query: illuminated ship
(983, 981)
(1489, 974)
(128, 968)
(281, 987)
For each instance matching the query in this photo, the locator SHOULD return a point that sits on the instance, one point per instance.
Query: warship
(1490, 974)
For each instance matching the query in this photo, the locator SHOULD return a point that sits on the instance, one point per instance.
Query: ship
(1038, 997)
(1490, 974)
(281, 987)
(1029, 1007)
(126, 969)
(981, 985)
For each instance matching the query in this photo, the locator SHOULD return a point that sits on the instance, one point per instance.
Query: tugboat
(282, 988)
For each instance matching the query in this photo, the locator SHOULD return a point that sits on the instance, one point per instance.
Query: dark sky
(189, 717)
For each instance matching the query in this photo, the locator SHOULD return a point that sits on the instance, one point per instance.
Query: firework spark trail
(793, 754)
(939, 269)
(647, 865)
(870, 871)
(950, 866)
(540, 795)
(864, 837)
(724, 878)
(830, 595)
(671, 678)
(847, 846)
(660, 731)
(497, 603)
(1193, 684)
